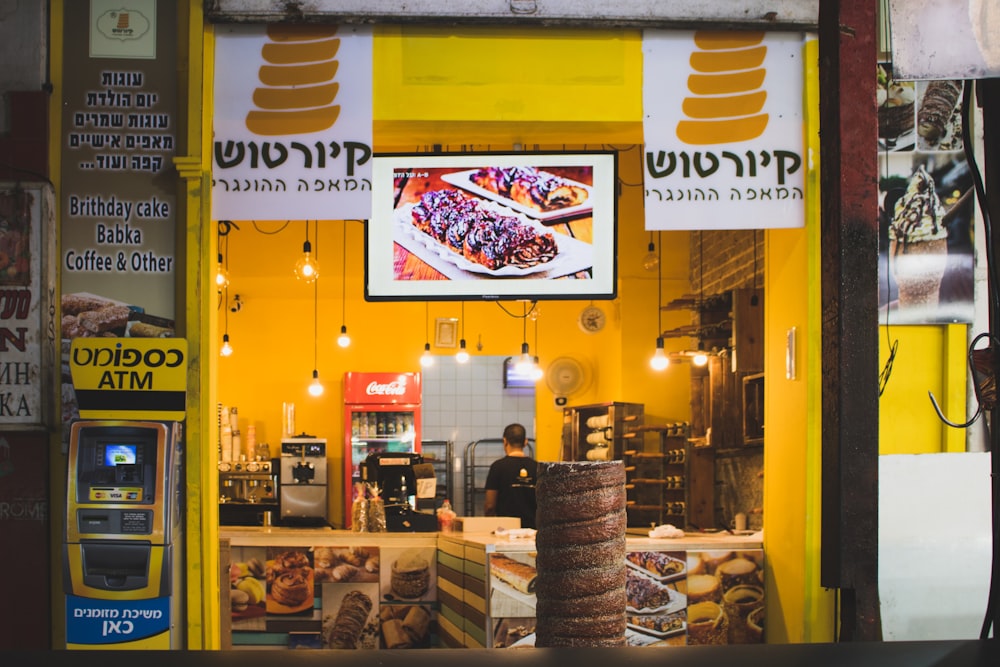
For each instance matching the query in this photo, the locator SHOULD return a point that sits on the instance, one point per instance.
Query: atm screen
(115, 455)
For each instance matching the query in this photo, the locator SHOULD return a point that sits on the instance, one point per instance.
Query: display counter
(325, 588)
(703, 588)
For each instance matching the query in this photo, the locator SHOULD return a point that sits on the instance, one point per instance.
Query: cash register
(403, 479)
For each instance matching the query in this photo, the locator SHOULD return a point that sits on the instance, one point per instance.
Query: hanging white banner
(723, 127)
(293, 122)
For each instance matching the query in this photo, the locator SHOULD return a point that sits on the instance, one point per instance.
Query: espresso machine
(402, 479)
(248, 493)
(302, 479)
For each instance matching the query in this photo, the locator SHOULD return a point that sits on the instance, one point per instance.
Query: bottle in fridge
(381, 414)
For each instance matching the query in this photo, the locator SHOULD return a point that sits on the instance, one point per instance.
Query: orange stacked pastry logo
(123, 22)
(297, 87)
(726, 89)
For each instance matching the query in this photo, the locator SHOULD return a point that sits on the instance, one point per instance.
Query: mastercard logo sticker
(297, 82)
(725, 97)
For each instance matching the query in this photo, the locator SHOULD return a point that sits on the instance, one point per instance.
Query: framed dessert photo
(926, 240)
(897, 111)
(492, 226)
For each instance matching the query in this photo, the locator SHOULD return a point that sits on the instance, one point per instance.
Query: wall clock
(592, 319)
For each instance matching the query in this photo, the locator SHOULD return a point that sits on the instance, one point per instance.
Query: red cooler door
(382, 414)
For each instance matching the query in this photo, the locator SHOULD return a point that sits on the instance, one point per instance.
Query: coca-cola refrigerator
(381, 414)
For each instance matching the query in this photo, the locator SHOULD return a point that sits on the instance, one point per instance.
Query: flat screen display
(492, 226)
(116, 455)
(516, 378)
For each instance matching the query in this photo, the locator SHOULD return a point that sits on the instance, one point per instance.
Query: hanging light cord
(343, 282)
(315, 302)
(524, 324)
(701, 285)
(315, 324)
(659, 288)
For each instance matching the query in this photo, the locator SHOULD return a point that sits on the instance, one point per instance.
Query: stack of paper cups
(287, 420)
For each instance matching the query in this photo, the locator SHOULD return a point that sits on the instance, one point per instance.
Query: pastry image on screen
(481, 234)
(492, 225)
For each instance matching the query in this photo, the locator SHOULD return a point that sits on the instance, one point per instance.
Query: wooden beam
(849, 240)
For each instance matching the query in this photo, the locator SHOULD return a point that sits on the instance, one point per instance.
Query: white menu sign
(723, 127)
(293, 122)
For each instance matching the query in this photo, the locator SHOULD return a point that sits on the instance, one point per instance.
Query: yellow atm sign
(130, 378)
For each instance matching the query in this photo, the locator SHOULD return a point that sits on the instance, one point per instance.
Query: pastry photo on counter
(290, 581)
(346, 564)
(512, 584)
(514, 633)
(247, 588)
(409, 574)
(725, 593)
(405, 625)
(350, 619)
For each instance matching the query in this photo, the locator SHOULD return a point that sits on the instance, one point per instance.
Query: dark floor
(859, 654)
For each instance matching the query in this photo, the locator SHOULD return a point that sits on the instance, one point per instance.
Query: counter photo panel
(328, 597)
(674, 598)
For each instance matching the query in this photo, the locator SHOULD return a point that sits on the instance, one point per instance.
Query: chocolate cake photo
(534, 191)
(467, 237)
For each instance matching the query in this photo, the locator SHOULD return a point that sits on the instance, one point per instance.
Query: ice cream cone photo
(918, 267)
(927, 251)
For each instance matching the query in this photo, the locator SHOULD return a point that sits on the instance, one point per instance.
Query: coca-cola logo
(388, 389)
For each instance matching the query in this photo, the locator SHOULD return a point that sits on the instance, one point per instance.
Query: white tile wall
(467, 402)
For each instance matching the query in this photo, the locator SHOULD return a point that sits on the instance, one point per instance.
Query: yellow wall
(928, 358)
(799, 610)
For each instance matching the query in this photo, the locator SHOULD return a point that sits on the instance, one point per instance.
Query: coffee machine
(302, 493)
(248, 493)
(402, 479)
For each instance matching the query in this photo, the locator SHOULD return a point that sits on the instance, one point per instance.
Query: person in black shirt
(510, 482)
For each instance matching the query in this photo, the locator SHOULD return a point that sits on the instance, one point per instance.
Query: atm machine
(123, 552)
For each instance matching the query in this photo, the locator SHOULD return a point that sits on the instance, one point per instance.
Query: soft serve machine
(302, 494)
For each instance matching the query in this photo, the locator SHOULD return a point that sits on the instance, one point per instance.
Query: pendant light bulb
(700, 358)
(226, 349)
(651, 260)
(316, 388)
(307, 268)
(525, 362)
(536, 371)
(462, 356)
(221, 275)
(660, 361)
(343, 340)
(427, 359)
